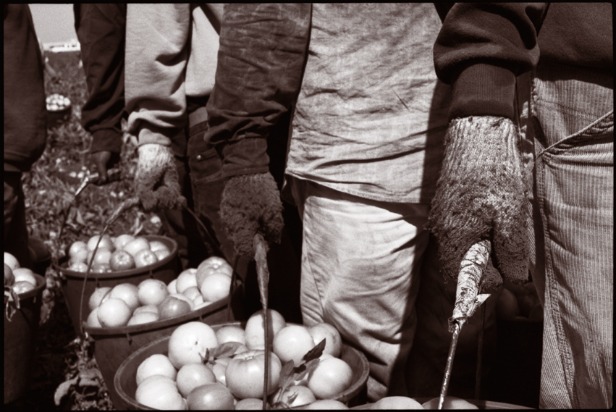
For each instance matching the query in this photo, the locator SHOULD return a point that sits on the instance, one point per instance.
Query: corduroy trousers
(573, 206)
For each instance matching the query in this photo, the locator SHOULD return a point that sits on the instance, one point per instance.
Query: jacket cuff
(245, 156)
(484, 90)
(106, 140)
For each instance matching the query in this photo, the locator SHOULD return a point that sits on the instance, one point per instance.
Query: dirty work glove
(156, 179)
(481, 194)
(251, 204)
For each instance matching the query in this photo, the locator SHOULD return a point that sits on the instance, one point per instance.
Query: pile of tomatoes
(19, 279)
(126, 304)
(210, 368)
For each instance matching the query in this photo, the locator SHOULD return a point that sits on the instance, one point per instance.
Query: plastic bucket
(126, 385)
(19, 335)
(73, 286)
(112, 346)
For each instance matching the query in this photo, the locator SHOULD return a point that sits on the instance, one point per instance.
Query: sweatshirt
(482, 47)
(171, 56)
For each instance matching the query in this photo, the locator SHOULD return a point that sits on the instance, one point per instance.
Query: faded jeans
(573, 208)
(360, 273)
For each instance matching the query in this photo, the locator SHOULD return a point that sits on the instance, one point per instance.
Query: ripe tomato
(22, 286)
(330, 377)
(152, 291)
(136, 245)
(113, 312)
(185, 280)
(128, 293)
(11, 260)
(98, 296)
(145, 257)
(193, 375)
(292, 342)
(156, 364)
(255, 328)
(326, 404)
(122, 240)
(211, 396)
(174, 305)
(189, 341)
(215, 287)
(333, 340)
(105, 242)
(396, 402)
(245, 372)
(160, 392)
(121, 260)
(451, 402)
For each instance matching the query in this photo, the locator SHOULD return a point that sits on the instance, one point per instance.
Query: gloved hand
(104, 160)
(251, 204)
(156, 179)
(481, 194)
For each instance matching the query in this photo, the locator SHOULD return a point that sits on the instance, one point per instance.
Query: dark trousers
(101, 30)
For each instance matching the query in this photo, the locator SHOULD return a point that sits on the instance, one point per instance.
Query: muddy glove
(251, 204)
(156, 180)
(481, 194)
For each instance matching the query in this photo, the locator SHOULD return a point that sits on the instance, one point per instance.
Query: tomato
(451, 402)
(9, 278)
(185, 280)
(128, 293)
(333, 340)
(396, 402)
(249, 404)
(193, 375)
(255, 328)
(152, 292)
(160, 392)
(122, 240)
(326, 404)
(211, 396)
(136, 245)
(292, 342)
(215, 287)
(98, 296)
(245, 374)
(114, 312)
(105, 242)
(11, 261)
(121, 260)
(189, 341)
(174, 305)
(330, 378)
(145, 257)
(156, 364)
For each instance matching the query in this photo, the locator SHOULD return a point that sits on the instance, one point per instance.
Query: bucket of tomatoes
(23, 291)
(113, 260)
(206, 367)
(122, 309)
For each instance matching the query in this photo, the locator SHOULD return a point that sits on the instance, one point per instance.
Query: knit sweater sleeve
(157, 50)
(260, 66)
(480, 50)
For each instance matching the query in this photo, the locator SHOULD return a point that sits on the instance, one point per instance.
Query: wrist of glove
(481, 194)
(251, 204)
(156, 180)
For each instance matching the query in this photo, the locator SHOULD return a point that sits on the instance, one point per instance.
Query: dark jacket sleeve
(25, 116)
(260, 66)
(480, 50)
(101, 30)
